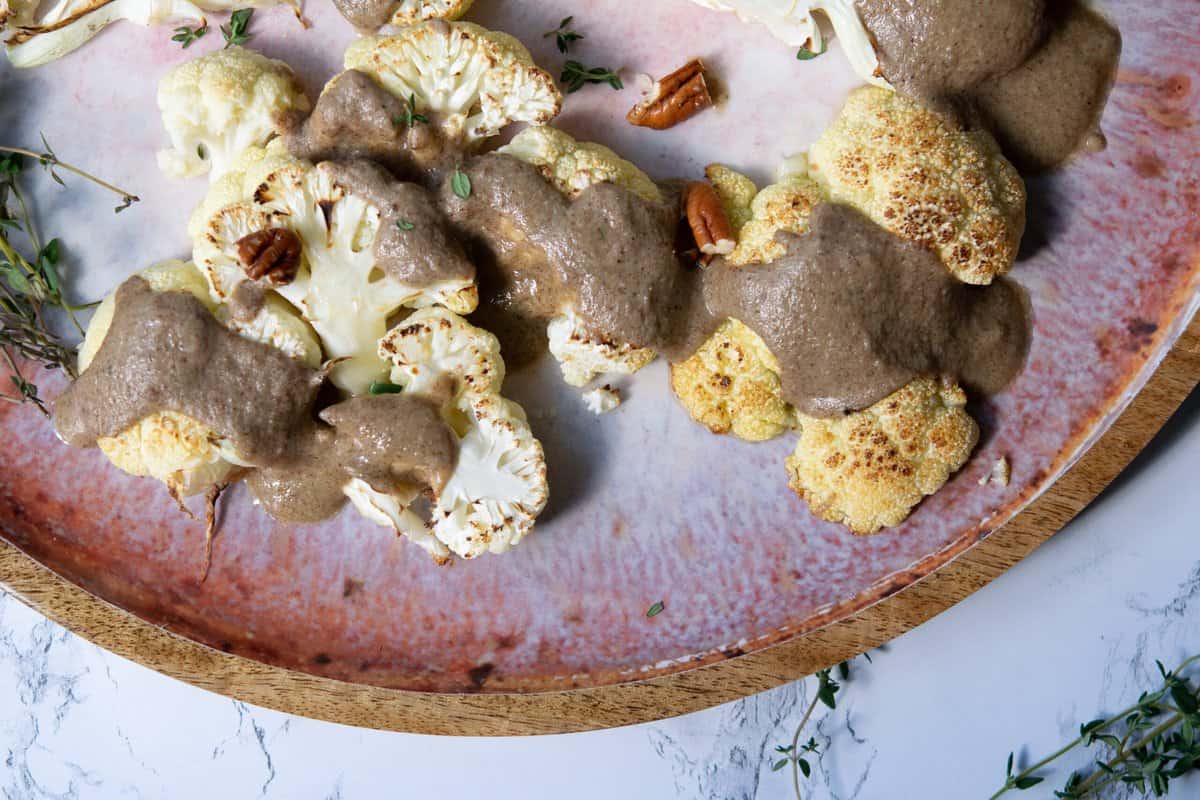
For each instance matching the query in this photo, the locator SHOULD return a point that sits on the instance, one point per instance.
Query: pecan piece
(706, 217)
(273, 255)
(680, 96)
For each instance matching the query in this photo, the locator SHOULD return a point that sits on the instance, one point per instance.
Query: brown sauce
(1036, 73)
(851, 312)
(608, 253)
(414, 245)
(357, 119)
(935, 50)
(1049, 108)
(366, 15)
(390, 441)
(166, 352)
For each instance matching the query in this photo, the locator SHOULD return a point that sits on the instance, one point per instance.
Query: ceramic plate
(647, 506)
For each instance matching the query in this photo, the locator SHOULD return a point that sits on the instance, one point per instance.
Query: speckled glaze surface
(646, 505)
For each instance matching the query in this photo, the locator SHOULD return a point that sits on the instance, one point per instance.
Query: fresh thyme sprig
(187, 36)
(563, 35)
(575, 75)
(410, 117)
(51, 162)
(795, 753)
(1148, 744)
(31, 285)
(236, 32)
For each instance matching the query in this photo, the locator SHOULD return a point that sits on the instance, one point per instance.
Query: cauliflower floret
(217, 106)
(169, 276)
(498, 486)
(983, 198)
(869, 469)
(239, 183)
(339, 288)
(781, 207)
(602, 400)
(434, 345)
(736, 192)
(411, 12)
(278, 325)
(472, 82)
(173, 448)
(919, 177)
(574, 166)
(394, 510)
(793, 22)
(732, 385)
(38, 32)
(582, 355)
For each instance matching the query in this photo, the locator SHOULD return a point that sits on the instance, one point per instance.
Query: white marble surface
(1071, 631)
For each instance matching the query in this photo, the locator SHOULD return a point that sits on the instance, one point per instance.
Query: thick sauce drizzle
(1036, 73)
(166, 352)
(851, 312)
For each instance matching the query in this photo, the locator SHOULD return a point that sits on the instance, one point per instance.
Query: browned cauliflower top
(731, 385)
(923, 179)
(869, 469)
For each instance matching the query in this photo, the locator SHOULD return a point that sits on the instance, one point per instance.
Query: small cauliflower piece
(1001, 473)
(239, 183)
(434, 346)
(573, 166)
(732, 385)
(217, 106)
(394, 510)
(869, 469)
(470, 81)
(339, 288)
(278, 325)
(924, 180)
(736, 192)
(794, 22)
(411, 12)
(37, 32)
(780, 207)
(173, 448)
(498, 486)
(582, 355)
(602, 400)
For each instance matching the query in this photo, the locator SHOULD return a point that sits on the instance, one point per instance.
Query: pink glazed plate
(647, 507)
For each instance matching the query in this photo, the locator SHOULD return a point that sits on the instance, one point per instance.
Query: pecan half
(272, 255)
(706, 217)
(680, 96)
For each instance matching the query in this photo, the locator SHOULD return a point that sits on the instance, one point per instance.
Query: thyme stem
(49, 159)
(796, 744)
(1123, 749)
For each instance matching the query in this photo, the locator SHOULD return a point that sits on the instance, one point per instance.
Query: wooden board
(499, 715)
